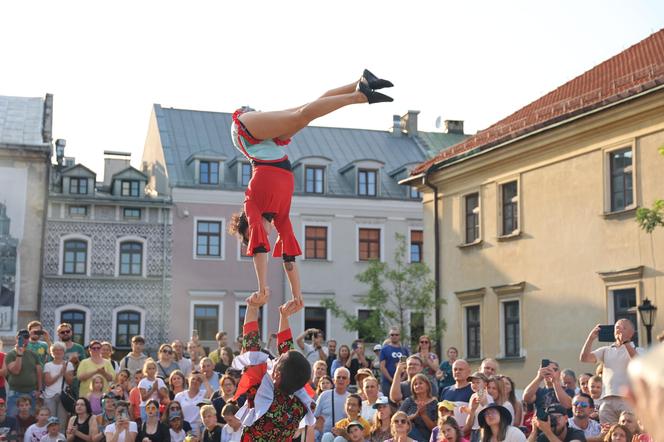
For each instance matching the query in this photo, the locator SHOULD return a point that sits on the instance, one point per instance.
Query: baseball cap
(477, 375)
(381, 401)
(52, 420)
(556, 408)
(354, 424)
(378, 347)
(448, 405)
(174, 415)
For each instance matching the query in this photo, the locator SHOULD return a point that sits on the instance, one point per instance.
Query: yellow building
(537, 239)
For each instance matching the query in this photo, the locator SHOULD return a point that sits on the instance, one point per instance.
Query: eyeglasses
(581, 404)
(400, 421)
(64, 332)
(341, 377)
(424, 342)
(170, 352)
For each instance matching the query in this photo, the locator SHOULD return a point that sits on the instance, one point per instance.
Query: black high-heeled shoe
(372, 96)
(375, 82)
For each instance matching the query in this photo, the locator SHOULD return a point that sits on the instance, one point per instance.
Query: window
(315, 317)
(472, 217)
(75, 257)
(78, 186)
(369, 326)
(510, 206)
(620, 163)
(77, 320)
(246, 174)
(416, 328)
(416, 241)
(369, 244)
(242, 311)
(315, 242)
(473, 332)
(131, 258)
(78, 211)
(127, 325)
(129, 188)
(314, 179)
(512, 329)
(208, 238)
(366, 182)
(131, 213)
(414, 193)
(209, 172)
(624, 307)
(206, 321)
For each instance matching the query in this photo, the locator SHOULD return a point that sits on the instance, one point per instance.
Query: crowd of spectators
(54, 390)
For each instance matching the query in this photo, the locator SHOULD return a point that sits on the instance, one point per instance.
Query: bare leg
(293, 279)
(260, 266)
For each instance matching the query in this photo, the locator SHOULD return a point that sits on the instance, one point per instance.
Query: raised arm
(586, 352)
(250, 334)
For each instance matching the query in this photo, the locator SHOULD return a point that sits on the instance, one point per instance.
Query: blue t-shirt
(454, 394)
(391, 356)
(547, 396)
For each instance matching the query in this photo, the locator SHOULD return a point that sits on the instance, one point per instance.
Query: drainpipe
(436, 251)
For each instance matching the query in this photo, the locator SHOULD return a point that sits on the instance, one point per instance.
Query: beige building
(536, 214)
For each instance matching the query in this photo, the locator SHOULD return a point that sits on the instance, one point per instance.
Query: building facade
(346, 210)
(25, 149)
(538, 239)
(107, 261)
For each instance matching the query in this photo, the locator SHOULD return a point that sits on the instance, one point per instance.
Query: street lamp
(647, 312)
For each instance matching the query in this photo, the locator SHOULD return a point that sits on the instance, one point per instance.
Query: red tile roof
(636, 69)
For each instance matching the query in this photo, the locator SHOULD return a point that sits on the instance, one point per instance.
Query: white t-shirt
(109, 431)
(185, 366)
(177, 437)
(594, 428)
(34, 433)
(614, 373)
(228, 435)
(54, 370)
(190, 411)
(480, 407)
(368, 411)
(146, 384)
(47, 438)
(513, 434)
(312, 354)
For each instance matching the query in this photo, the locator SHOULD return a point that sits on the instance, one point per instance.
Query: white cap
(378, 347)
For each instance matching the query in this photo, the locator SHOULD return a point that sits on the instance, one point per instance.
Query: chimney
(453, 127)
(396, 126)
(114, 162)
(409, 123)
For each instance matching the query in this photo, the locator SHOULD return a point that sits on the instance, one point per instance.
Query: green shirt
(75, 349)
(26, 380)
(40, 348)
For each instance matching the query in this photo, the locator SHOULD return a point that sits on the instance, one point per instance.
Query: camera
(545, 363)
(403, 358)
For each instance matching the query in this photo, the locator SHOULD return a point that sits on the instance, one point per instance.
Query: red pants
(270, 191)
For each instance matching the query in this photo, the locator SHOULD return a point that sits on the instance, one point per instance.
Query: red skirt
(270, 190)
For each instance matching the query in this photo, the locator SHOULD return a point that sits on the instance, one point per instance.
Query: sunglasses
(170, 352)
(150, 408)
(395, 334)
(424, 342)
(400, 421)
(95, 348)
(581, 404)
(64, 332)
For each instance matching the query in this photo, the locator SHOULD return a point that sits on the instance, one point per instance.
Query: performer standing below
(276, 398)
(262, 137)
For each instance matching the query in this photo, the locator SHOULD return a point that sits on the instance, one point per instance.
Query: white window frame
(606, 173)
(131, 238)
(220, 317)
(222, 243)
(410, 230)
(63, 308)
(304, 237)
(462, 205)
(61, 255)
(357, 239)
(130, 307)
(499, 208)
(238, 326)
(610, 302)
(501, 303)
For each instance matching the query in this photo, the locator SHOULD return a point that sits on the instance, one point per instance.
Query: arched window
(131, 258)
(77, 320)
(75, 257)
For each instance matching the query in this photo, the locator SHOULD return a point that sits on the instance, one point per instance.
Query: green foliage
(649, 219)
(392, 292)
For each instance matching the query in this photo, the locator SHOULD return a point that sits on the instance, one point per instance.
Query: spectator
(319, 370)
(165, 363)
(615, 359)
(330, 404)
(222, 341)
(210, 377)
(331, 355)
(400, 390)
(82, 426)
(429, 359)
(24, 418)
(495, 421)
(152, 429)
(647, 390)
(447, 430)
(135, 359)
(582, 408)
(628, 419)
(345, 359)
(496, 389)
(108, 403)
(55, 372)
(122, 429)
(400, 428)
(8, 424)
(53, 431)
(24, 373)
(568, 379)
(489, 367)
(445, 376)
(123, 380)
(135, 397)
(212, 432)
(353, 407)
(91, 366)
(479, 400)
(372, 394)
(150, 385)
(232, 430)
(324, 384)
(421, 408)
(552, 392)
(221, 397)
(380, 424)
(375, 364)
(314, 351)
(390, 354)
(189, 399)
(96, 393)
(595, 388)
(175, 409)
(36, 431)
(74, 352)
(618, 433)
(176, 430)
(461, 391)
(360, 376)
(40, 341)
(355, 432)
(226, 360)
(517, 406)
(583, 383)
(555, 428)
(178, 357)
(107, 351)
(176, 383)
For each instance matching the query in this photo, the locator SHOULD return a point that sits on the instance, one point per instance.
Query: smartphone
(354, 345)
(21, 341)
(124, 414)
(542, 415)
(606, 333)
(545, 363)
(403, 358)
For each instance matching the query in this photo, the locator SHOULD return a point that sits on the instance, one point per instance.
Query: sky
(107, 63)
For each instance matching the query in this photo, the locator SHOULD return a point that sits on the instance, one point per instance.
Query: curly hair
(238, 226)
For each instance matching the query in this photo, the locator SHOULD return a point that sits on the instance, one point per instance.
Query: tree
(649, 219)
(393, 291)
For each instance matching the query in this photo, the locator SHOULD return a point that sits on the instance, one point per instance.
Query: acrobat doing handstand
(262, 138)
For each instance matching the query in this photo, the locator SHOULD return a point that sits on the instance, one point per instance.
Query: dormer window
(246, 174)
(130, 188)
(314, 179)
(78, 186)
(208, 172)
(366, 182)
(415, 193)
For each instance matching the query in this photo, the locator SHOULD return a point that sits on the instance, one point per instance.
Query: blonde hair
(403, 415)
(146, 364)
(205, 409)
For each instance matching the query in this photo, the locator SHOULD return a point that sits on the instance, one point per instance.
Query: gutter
(436, 254)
